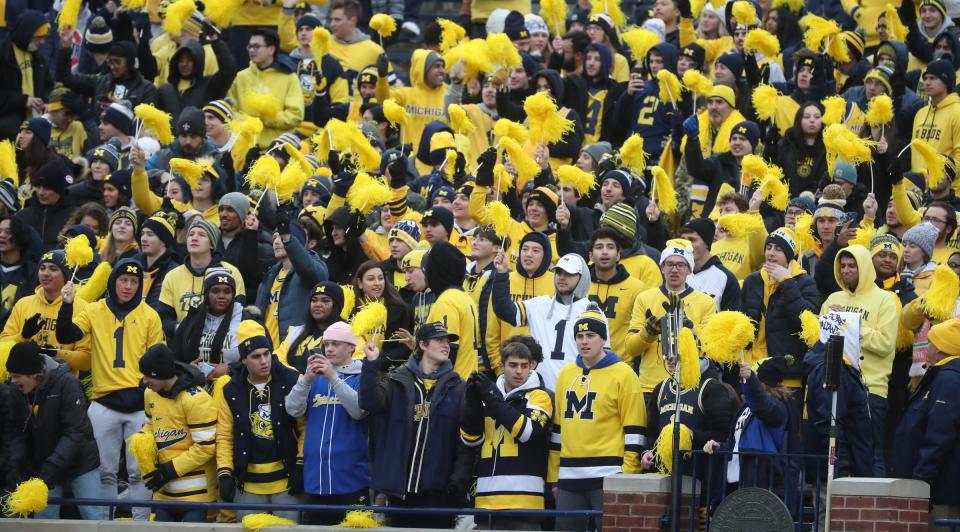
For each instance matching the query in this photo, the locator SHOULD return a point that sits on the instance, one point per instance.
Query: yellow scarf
(25, 64)
(770, 286)
(720, 142)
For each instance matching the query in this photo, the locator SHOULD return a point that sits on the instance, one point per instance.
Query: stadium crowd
(246, 256)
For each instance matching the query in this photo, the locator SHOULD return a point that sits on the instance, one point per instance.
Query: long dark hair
(796, 130)
(390, 295)
(311, 327)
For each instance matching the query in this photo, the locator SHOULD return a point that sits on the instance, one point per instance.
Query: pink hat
(340, 332)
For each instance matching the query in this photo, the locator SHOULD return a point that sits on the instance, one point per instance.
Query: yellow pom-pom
(504, 128)
(669, 86)
(793, 5)
(458, 119)
(29, 497)
(450, 164)
(367, 192)
(843, 143)
(554, 13)
(803, 227)
(78, 251)
(261, 104)
(765, 101)
(296, 155)
(133, 5)
(371, 317)
(760, 40)
(257, 522)
(632, 155)
(527, 168)
(896, 31)
(395, 113)
(155, 120)
(189, 170)
(663, 191)
(611, 8)
(663, 447)
(320, 42)
(934, 162)
(744, 13)
(818, 30)
(69, 13)
(291, 181)
(502, 178)
(8, 162)
(265, 173)
(689, 360)
(360, 519)
(221, 12)
(809, 328)
(696, 82)
(502, 52)
(498, 215)
(726, 335)
(546, 123)
(775, 191)
(740, 224)
(834, 109)
(582, 182)
(864, 236)
(176, 14)
(451, 34)
(940, 300)
(473, 54)
(383, 24)
(248, 130)
(640, 41)
(143, 447)
(753, 167)
(879, 110)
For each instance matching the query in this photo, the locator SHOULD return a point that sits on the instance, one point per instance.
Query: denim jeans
(878, 421)
(85, 486)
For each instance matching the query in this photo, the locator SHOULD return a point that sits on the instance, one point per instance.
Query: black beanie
(704, 228)
(158, 363)
(943, 70)
(334, 292)
(749, 130)
(25, 359)
(52, 175)
(126, 50)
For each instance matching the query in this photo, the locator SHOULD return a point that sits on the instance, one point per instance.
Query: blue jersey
(649, 118)
(335, 448)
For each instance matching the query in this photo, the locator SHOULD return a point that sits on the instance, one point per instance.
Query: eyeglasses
(252, 47)
(935, 221)
(952, 265)
(795, 212)
(679, 266)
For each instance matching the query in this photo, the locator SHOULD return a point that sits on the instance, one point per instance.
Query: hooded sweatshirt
(602, 95)
(422, 103)
(179, 93)
(280, 80)
(445, 268)
(879, 316)
(29, 306)
(355, 54)
(182, 288)
(523, 286)
(940, 126)
(615, 297)
(119, 334)
(550, 318)
(163, 49)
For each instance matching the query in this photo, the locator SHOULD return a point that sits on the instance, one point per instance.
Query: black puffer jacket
(203, 89)
(134, 89)
(12, 447)
(782, 313)
(13, 102)
(58, 436)
(48, 220)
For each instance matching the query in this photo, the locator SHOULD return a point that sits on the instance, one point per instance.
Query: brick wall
(624, 512)
(893, 514)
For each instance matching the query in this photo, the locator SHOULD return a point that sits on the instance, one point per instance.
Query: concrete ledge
(647, 483)
(63, 525)
(881, 487)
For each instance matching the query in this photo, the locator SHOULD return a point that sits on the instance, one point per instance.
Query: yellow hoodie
(940, 126)
(422, 103)
(47, 337)
(516, 230)
(879, 314)
(279, 80)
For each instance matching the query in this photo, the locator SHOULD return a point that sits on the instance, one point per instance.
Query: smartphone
(206, 369)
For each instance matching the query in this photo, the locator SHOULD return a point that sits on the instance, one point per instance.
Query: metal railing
(795, 478)
(954, 524)
(593, 517)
